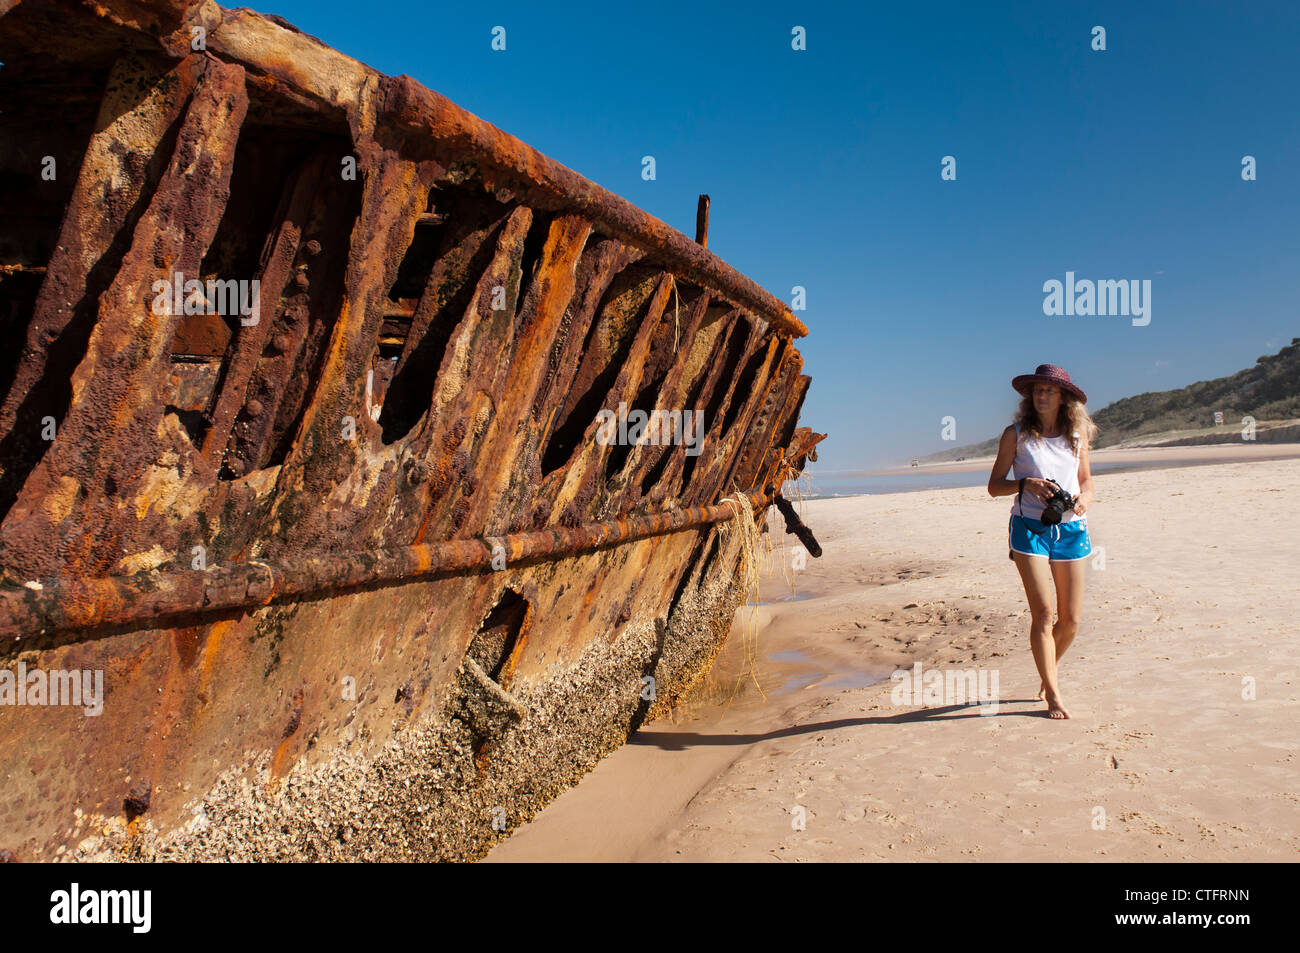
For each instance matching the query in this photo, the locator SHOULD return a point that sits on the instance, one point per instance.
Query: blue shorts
(1061, 543)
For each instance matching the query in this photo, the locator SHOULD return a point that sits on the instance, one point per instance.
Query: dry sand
(1163, 760)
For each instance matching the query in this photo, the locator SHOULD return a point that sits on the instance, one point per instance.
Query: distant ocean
(820, 487)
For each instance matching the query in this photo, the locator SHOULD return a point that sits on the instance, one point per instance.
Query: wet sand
(1195, 604)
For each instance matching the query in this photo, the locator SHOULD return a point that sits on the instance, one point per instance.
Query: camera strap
(1027, 527)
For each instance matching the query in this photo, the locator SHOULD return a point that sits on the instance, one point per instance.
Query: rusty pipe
(797, 527)
(152, 598)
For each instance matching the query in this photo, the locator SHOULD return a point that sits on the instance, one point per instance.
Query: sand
(1164, 759)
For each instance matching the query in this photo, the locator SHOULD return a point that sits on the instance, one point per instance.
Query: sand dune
(1163, 760)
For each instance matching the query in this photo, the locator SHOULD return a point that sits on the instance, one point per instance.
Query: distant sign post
(1218, 416)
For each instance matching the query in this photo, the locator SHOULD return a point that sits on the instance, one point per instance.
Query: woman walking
(1047, 442)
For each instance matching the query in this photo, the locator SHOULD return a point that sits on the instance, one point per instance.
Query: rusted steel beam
(140, 104)
(758, 384)
(110, 428)
(88, 603)
(673, 392)
(284, 381)
(394, 193)
(797, 527)
(448, 274)
(702, 222)
(304, 66)
(543, 309)
(273, 276)
(595, 272)
(546, 183)
(758, 435)
(483, 353)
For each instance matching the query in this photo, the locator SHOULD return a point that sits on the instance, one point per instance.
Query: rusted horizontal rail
(154, 598)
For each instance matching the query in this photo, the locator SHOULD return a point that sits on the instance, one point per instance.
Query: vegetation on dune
(1268, 391)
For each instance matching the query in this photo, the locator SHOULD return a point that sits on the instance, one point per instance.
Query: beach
(1182, 683)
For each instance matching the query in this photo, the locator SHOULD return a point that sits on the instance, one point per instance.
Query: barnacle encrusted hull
(302, 373)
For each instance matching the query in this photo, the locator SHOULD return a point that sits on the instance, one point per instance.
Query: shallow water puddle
(783, 599)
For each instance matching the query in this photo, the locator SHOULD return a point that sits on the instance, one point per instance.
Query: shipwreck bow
(300, 382)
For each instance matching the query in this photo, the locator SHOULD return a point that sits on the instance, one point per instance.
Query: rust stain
(211, 649)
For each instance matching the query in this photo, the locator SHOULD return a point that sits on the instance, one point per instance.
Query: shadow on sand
(681, 740)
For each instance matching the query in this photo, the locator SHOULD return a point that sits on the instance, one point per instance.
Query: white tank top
(1051, 458)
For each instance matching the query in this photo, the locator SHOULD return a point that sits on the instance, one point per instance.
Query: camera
(1056, 505)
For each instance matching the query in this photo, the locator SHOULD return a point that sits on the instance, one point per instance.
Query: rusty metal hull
(360, 579)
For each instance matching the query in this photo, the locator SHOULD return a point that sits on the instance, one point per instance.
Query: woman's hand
(1080, 507)
(1040, 488)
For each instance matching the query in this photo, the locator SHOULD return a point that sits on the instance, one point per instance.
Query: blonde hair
(1078, 425)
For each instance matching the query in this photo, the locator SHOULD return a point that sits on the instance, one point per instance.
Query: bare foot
(1042, 692)
(1054, 707)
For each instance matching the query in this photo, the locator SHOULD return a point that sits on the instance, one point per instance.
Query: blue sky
(924, 297)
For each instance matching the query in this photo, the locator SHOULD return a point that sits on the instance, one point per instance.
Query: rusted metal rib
(90, 603)
(310, 68)
(548, 184)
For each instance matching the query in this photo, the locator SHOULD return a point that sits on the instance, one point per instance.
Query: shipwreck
(301, 379)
